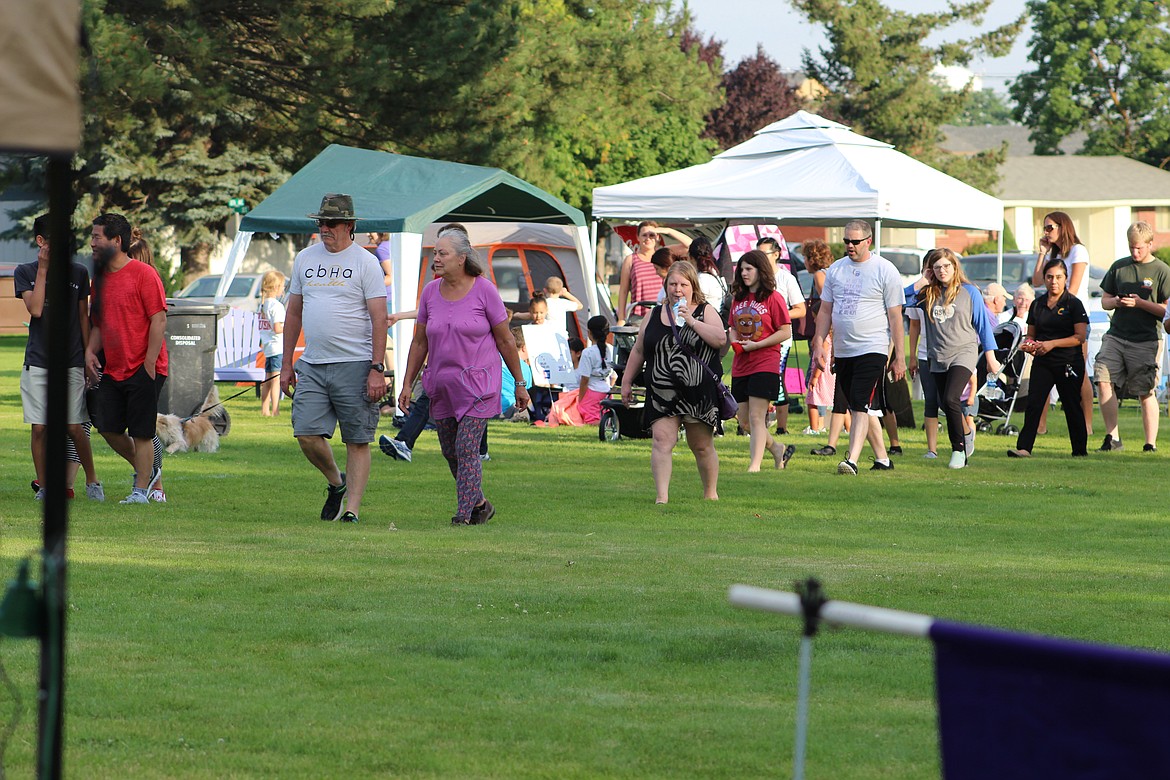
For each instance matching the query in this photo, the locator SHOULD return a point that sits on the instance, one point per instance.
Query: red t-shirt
(760, 320)
(130, 296)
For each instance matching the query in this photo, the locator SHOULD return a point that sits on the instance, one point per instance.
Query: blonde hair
(139, 249)
(1140, 232)
(272, 284)
(934, 292)
(686, 270)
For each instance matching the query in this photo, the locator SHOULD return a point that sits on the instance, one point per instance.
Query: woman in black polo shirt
(1057, 327)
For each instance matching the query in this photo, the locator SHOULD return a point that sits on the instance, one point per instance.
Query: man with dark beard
(129, 325)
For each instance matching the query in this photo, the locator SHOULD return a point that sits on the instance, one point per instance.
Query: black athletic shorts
(860, 380)
(763, 384)
(129, 406)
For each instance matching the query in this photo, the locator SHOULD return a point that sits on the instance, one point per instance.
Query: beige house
(1103, 195)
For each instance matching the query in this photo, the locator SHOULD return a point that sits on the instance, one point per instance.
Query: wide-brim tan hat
(336, 206)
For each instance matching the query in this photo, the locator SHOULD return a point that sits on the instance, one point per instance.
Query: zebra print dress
(676, 384)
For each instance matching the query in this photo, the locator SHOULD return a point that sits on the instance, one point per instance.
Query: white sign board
(549, 356)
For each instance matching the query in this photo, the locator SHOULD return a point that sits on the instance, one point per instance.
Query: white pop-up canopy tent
(402, 196)
(806, 170)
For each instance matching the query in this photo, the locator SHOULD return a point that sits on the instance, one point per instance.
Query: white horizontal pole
(838, 613)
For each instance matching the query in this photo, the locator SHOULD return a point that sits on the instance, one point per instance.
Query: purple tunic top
(463, 363)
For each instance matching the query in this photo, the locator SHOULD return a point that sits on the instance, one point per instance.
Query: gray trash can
(190, 340)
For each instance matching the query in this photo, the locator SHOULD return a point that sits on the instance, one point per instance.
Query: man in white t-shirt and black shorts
(862, 303)
(338, 294)
(789, 289)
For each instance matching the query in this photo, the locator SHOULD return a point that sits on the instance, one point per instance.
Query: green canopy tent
(402, 195)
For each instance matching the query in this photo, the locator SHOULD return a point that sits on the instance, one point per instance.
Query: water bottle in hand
(678, 305)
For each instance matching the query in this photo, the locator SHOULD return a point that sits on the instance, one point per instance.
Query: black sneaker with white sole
(334, 495)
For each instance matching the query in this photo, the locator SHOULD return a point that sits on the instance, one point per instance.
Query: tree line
(193, 102)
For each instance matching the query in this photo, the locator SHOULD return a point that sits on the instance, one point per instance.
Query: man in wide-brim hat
(338, 296)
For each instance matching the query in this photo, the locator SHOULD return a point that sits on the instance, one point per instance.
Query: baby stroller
(1008, 338)
(616, 419)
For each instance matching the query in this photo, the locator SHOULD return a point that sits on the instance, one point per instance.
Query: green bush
(1163, 254)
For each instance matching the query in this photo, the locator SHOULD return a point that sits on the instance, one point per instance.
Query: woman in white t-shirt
(1060, 241)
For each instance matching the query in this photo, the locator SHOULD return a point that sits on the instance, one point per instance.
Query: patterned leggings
(459, 441)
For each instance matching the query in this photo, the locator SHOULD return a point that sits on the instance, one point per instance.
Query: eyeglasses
(645, 236)
(330, 223)
(1049, 228)
(856, 241)
(940, 266)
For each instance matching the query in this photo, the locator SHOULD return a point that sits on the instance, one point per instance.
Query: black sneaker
(1149, 448)
(895, 449)
(348, 517)
(847, 467)
(333, 499)
(482, 513)
(827, 451)
(1110, 444)
(879, 466)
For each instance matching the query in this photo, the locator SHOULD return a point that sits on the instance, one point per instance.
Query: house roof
(980, 138)
(1082, 179)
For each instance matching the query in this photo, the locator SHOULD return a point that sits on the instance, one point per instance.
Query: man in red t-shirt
(129, 325)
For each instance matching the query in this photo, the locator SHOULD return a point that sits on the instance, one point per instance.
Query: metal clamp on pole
(812, 598)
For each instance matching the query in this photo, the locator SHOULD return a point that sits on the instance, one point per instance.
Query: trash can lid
(183, 306)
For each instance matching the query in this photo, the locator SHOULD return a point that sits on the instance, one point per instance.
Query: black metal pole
(51, 714)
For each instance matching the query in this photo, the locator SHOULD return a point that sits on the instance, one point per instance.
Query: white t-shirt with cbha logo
(861, 294)
(335, 287)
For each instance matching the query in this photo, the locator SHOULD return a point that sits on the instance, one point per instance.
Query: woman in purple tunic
(461, 334)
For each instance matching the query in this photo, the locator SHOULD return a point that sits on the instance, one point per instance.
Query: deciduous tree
(757, 94)
(1101, 66)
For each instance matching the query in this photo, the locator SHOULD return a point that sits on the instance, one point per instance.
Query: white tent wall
(404, 245)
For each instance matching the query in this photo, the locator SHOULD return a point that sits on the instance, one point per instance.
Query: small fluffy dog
(197, 433)
(179, 435)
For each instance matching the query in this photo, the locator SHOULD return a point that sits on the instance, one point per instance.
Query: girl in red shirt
(758, 323)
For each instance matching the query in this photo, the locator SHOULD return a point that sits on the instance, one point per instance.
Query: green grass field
(583, 633)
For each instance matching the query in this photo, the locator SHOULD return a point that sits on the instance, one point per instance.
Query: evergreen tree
(877, 68)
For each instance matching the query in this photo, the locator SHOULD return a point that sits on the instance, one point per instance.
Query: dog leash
(201, 412)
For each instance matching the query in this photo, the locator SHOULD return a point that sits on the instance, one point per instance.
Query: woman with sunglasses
(958, 327)
(639, 279)
(1060, 242)
(1057, 327)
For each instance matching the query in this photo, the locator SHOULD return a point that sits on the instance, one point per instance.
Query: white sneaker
(95, 491)
(135, 498)
(930, 455)
(158, 497)
(958, 460)
(969, 443)
(808, 431)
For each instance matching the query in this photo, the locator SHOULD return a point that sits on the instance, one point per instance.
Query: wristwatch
(379, 367)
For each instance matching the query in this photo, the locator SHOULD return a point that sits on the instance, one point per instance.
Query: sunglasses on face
(646, 236)
(1049, 228)
(855, 241)
(330, 223)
